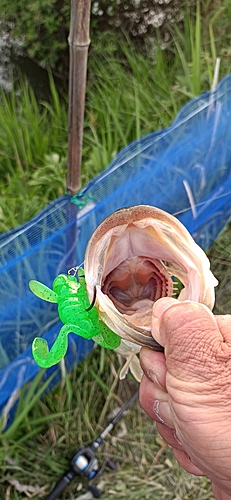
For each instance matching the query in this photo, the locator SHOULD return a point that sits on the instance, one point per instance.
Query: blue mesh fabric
(184, 169)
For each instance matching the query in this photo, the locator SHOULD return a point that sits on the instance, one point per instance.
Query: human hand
(187, 390)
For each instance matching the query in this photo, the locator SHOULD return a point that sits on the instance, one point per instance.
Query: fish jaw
(131, 259)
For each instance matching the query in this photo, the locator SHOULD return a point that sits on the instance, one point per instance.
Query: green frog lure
(77, 315)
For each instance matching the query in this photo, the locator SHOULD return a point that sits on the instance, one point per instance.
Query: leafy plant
(40, 28)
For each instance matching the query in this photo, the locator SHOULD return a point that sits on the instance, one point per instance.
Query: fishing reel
(84, 463)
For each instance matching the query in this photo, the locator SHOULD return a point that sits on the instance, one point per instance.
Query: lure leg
(45, 358)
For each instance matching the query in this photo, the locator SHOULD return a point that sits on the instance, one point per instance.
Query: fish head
(136, 256)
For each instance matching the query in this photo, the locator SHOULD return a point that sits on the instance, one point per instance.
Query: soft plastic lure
(77, 314)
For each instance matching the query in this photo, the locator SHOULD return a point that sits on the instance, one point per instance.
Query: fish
(136, 256)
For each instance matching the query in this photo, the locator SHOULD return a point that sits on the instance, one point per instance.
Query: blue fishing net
(184, 169)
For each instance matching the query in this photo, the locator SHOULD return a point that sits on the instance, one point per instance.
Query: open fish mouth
(136, 256)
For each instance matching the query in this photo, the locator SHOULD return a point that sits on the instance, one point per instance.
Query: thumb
(164, 304)
(159, 307)
(191, 337)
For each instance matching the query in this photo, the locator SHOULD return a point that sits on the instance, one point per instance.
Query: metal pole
(78, 43)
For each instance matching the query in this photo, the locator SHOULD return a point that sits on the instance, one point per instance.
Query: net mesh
(184, 169)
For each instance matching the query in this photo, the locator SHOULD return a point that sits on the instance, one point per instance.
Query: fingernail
(177, 439)
(153, 377)
(163, 412)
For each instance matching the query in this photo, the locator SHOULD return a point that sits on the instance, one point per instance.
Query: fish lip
(135, 213)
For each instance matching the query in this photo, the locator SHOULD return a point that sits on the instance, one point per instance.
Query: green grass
(220, 258)
(36, 449)
(39, 453)
(128, 95)
(33, 145)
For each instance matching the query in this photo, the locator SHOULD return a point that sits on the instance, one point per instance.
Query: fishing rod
(85, 463)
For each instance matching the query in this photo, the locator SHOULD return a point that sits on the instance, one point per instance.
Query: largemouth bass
(136, 256)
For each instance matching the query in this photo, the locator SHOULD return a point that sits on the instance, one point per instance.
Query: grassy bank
(128, 96)
(37, 454)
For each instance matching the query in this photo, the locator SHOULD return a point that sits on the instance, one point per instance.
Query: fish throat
(134, 282)
(137, 279)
